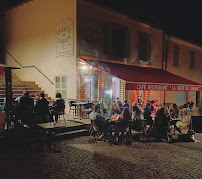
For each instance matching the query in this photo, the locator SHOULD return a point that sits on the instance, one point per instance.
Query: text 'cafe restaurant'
(146, 82)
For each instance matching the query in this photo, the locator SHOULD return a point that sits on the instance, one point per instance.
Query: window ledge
(192, 68)
(176, 66)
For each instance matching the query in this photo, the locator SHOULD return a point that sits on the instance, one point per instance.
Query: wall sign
(65, 37)
(162, 87)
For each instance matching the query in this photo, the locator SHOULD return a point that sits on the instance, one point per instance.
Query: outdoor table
(48, 131)
(79, 104)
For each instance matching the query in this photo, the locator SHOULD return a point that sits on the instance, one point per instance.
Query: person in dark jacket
(26, 109)
(162, 124)
(57, 106)
(42, 108)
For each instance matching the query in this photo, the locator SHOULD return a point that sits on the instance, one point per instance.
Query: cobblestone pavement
(79, 159)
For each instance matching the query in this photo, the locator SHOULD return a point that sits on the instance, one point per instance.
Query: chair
(88, 108)
(124, 128)
(73, 108)
(59, 109)
(139, 126)
(95, 131)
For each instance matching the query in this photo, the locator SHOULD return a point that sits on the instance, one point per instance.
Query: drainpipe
(167, 38)
(166, 59)
(162, 64)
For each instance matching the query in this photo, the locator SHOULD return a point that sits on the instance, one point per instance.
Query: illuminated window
(192, 60)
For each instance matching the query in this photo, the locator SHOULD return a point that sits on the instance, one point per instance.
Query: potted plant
(200, 107)
(107, 103)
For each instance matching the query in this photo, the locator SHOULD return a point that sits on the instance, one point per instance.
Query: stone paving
(79, 159)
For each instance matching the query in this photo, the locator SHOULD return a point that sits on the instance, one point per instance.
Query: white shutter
(61, 85)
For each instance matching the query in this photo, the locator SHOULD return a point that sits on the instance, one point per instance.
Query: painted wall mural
(65, 37)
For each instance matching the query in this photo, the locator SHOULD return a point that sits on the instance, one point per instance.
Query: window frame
(140, 33)
(173, 62)
(192, 66)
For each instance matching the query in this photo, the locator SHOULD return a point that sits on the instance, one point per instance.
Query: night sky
(180, 18)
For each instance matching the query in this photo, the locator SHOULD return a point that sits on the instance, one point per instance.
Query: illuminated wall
(42, 33)
(184, 64)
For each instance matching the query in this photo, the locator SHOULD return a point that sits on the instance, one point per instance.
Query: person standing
(26, 109)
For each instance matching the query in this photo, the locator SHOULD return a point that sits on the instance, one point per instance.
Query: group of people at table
(30, 111)
(157, 118)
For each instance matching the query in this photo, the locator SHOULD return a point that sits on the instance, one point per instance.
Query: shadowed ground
(79, 159)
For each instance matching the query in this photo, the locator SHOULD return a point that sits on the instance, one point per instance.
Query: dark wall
(197, 123)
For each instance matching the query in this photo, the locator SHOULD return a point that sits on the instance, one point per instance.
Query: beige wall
(30, 36)
(92, 26)
(183, 69)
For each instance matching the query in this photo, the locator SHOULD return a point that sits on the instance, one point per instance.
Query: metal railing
(32, 66)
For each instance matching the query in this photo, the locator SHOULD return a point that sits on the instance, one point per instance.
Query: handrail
(32, 66)
(40, 72)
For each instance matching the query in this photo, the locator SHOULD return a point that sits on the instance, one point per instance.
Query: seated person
(124, 118)
(138, 122)
(126, 105)
(174, 111)
(114, 111)
(147, 115)
(137, 114)
(119, 105)
(57, 106)
(123, 121)
(139, 100)
(99, 119)
(36, 98)
(42, 107)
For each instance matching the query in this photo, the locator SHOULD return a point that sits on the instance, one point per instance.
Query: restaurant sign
(65, 37)
(162, 87)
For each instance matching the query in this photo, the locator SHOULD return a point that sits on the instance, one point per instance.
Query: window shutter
(107, 39)
(127, 44)
(61, 85)
(176, 54)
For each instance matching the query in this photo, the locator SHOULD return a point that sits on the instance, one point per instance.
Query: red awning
(146, 78)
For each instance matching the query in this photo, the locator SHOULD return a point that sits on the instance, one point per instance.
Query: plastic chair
(88, 108)
(123, 127)
(95, 128)
(73, 108)
(59, 110)
(139, 126)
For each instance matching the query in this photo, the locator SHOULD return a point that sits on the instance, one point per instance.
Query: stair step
(27, 88)
(18, 87)
(22, 85)
(32, 95)
(72, 132)
(21, 91)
